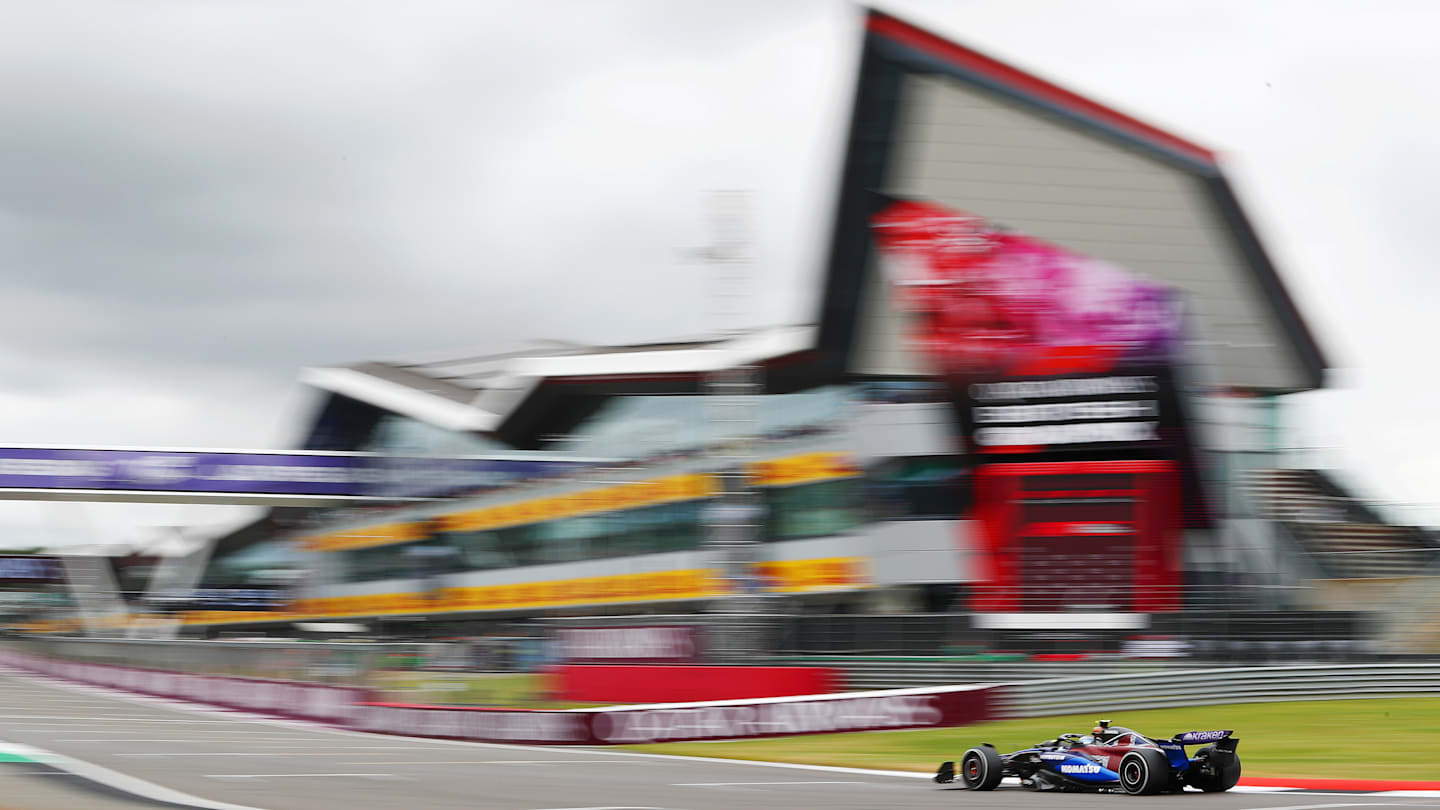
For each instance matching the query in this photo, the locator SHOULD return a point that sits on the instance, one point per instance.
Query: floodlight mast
(732, 386)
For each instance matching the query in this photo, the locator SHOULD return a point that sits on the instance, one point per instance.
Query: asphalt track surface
(31, 788)
(278, 765)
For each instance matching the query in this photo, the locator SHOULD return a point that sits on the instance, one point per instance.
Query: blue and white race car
(1110, 759)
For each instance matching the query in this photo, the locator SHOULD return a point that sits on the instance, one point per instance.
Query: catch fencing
(348, 664)
(905, 673)
(893, 672)
(1200, 687)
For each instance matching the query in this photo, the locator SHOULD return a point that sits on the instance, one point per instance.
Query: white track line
(493, 763)
(272, 741)
(1387, 794)
(115, 779)
(349, 752)
(727, 784)
(1325, 806)
(303, 775)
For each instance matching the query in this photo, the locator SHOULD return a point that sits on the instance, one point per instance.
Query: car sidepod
(1078, 771)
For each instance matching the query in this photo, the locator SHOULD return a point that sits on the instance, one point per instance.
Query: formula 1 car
(1108, 760)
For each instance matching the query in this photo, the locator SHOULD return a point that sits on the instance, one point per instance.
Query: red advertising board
(677, 722)
(652, 684)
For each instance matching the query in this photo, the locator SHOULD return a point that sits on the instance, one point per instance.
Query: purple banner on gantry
(339, 475)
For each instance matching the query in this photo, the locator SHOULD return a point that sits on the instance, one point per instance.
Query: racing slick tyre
(1144, 771)
(981, 768)
(1224, 777)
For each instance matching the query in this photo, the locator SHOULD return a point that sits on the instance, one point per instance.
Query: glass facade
(797, 512)
(901, 392)
(264, 563)
(918, 487)
(403, 436)
(653, 425)
(814, 510)
(641, 426)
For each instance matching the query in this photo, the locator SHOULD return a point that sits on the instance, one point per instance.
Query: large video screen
(1044, 350)
(1061, 369)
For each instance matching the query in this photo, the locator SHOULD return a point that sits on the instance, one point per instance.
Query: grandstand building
(875, 495)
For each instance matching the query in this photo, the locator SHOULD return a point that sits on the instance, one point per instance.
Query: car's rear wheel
(1225, 775)
(1144, 771)
(981, 768)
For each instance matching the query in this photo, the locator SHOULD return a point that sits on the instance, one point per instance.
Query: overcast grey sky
(199, 198)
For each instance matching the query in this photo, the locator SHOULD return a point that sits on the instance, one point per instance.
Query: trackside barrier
(677, 722)
(928, 707)
(305, 701)
(635, 683)
(659, 722)
(1176, 688)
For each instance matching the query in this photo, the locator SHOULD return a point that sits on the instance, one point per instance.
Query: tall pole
(732, 387)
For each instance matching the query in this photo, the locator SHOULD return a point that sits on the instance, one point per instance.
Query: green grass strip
(1391, 738)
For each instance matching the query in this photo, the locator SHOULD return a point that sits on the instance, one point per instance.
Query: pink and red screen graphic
(996, 304)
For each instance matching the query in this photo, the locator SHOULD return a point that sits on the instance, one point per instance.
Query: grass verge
(1374, 739)
(526, 691)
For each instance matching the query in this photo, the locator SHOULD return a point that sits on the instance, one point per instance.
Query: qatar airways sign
(816, 716)
(675, 722)
(665, 644)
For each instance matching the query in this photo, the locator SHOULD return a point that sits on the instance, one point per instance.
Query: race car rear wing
(1201, 737)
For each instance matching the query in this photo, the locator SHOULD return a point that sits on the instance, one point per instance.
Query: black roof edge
(867, 153)
(869, 145)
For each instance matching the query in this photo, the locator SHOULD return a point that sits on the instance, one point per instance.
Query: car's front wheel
(1144, 771)
(981, 768)
(1218, 777)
